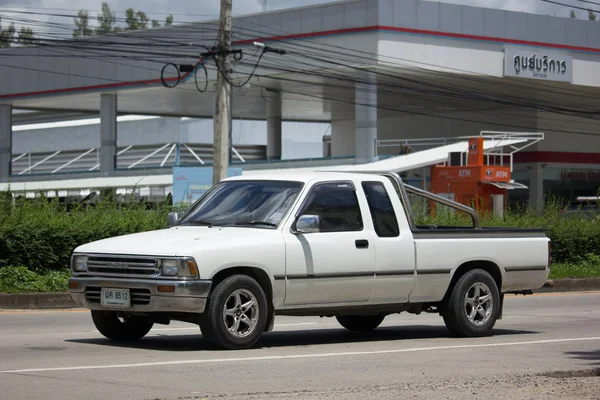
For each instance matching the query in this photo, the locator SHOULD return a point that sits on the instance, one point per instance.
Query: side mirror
(308, 224)
(172, 218)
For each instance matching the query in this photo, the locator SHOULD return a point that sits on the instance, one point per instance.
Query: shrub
(574, 238)
(42, 234)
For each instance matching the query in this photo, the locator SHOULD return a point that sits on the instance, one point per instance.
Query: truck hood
(176, 241)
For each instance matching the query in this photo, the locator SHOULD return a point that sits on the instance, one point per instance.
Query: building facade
(376, 70)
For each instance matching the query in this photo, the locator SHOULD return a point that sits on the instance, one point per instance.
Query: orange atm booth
(473, 183)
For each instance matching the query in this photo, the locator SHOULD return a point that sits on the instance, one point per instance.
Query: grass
(589, 268)
(22, 280)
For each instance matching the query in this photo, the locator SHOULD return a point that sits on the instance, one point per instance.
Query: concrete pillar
(108, 133)
(274, 127)
(5, 141)
(536, 186)
(365, 118)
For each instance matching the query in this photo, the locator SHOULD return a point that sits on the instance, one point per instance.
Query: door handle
(362, 244)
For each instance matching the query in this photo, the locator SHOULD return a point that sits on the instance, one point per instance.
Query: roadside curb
(42, 301)
(570, 285)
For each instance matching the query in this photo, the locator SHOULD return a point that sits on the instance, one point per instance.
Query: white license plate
(116, 298)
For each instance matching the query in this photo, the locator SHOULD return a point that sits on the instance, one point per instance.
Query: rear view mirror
(172, 219)
(308, 224)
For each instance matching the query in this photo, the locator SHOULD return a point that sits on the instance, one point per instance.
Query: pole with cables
(222, 119)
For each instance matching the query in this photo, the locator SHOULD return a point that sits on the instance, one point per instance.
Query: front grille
(139, 297)
(122, 266)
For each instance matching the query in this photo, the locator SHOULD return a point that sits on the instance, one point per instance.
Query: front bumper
(188, 296)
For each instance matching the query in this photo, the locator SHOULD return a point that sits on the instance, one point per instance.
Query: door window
(382, 211)
(336, 205)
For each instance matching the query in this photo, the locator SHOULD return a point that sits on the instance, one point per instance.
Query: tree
(138, 20)
(7, 35)
(106, 20)
(82, 24)
(573, 14)
(134, 20)
(26, 36)
(591, 15)
(131, 20)
(142, 20)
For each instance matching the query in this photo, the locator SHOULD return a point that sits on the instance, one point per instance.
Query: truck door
(336, 264)
(394, 244)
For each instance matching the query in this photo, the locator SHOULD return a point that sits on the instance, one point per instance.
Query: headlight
(80, 263)
(169, 267)
(181, 267)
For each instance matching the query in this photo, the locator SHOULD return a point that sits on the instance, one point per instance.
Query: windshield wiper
(201, 223)
(265, 223)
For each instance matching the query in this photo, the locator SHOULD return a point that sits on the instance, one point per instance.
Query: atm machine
(469, 178)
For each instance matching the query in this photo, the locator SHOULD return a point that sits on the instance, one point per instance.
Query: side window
(337, 206)
(382, 211)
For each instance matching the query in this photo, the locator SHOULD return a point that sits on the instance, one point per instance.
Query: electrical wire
(321, 60)
(461, 89)
(589, 2)
(558, 3)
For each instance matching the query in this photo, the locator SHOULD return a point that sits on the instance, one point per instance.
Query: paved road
(547, 346)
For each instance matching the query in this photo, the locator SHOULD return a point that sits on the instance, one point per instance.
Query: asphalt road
(547, 346)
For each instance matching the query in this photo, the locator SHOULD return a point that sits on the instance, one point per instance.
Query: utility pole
(222, 120)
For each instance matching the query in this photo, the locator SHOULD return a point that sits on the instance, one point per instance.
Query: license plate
(116, 298)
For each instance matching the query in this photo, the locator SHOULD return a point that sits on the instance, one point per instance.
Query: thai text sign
(580, 176)
(538, 65)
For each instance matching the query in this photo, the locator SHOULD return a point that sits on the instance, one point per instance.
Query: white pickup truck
(341, 245)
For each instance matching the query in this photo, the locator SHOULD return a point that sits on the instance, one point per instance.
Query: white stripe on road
(297, 356)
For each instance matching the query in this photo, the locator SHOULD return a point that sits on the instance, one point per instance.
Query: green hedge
(42, 234)
(574, 238)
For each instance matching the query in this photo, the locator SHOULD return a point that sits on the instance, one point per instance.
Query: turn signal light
(165, 288)
(73, 285)
(193, 268)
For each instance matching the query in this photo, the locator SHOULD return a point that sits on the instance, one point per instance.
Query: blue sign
(190, 183)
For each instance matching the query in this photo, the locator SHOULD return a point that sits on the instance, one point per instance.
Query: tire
(361, 323)
(232, 294)
(460, 315)
(131, 328)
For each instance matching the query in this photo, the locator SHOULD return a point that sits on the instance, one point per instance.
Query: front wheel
(236, 314)
(362, 323)
(113, 327)
(472, 308)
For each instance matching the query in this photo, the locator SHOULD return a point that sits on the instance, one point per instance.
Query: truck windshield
(255, 203)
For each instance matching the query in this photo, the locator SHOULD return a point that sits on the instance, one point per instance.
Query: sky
(194, 10)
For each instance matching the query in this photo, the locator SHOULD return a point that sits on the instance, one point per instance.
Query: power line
(158, 55)
(461, 89)
(345, 101)
(589, 2)
(570, 6)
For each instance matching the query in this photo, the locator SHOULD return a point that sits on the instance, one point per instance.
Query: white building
(375, 69)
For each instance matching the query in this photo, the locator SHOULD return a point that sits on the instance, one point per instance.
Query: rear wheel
(472, 308)
(114, 327)
(236, 313)
(363, 323)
